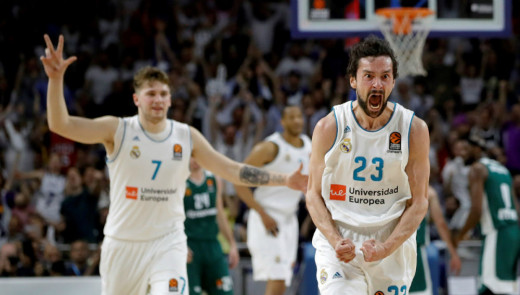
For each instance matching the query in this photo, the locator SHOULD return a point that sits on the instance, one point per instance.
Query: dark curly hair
(370, 46)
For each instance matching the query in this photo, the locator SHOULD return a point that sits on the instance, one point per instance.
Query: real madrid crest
(346, 145)
(323, 276)
(135, 152)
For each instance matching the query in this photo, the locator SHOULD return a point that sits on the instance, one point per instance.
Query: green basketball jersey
(200, 205)
(498, 207)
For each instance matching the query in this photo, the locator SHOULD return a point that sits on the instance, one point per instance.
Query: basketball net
(406, 30)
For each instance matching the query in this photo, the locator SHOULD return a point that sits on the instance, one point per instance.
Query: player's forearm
(225, 228)
(57, 113)
(246, 195)
(444, 232)
(321, 217)
(253, 176)
(407, 225)
(471, 222)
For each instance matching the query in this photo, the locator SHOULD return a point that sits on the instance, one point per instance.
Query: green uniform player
(494, 205)
(207, 265)
(422, 282)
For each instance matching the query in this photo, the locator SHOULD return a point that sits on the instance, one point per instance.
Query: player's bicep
(90, 131)
(322, 139)
(262, 153)
(418, 166)
(209, 158)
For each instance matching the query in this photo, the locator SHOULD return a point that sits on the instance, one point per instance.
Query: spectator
(455, 182)
(78, 264)
(99, 79)
(296, 61)
(49, 196)
(9, 260)
(263, 17)
(22, 210)
(79, 210)
(511, 135)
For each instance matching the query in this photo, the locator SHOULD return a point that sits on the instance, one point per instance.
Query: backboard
(351, 18)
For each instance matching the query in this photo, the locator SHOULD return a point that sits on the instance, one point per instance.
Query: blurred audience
(233, 68)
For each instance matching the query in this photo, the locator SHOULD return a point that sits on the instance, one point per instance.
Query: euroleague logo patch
(173, 285)
(394, 142)
(379, 293)
(177, 152)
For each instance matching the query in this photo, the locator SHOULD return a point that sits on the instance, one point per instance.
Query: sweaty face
(153, 100)
(292, 120)
(374, 82)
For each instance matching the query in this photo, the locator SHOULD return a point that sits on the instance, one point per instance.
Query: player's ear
(136, 99)
(353, 82)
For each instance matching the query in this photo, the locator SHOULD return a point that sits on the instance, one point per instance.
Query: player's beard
(364, 106)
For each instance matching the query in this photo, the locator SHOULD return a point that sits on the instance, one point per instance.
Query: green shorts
(208, 270)
(422, 281)
(498, 262)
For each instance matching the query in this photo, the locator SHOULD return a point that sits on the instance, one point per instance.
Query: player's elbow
(54, 126)
(420, 204)
(311, 197)
(57, 125)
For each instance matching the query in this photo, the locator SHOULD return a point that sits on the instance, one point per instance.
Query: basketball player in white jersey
(272, 225)
(368, 181)
(148, 159)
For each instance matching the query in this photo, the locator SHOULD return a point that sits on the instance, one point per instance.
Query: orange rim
(403, 17)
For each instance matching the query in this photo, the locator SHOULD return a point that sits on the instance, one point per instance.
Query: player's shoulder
(267, 146)
(418, 126)
(209, 174)
(324, 134)
(326, 123)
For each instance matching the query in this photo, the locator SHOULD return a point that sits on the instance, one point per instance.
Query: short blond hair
(150, 74)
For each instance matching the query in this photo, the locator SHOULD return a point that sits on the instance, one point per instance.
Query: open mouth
(375, 101)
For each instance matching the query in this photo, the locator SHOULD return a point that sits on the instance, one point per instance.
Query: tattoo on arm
(278, 179)
(253, 175)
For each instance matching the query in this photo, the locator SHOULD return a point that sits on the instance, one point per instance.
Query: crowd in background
(233, 67)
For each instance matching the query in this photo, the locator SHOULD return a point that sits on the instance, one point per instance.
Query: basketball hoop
(406, 29)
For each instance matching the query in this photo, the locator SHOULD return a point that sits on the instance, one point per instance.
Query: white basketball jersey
(148, 180)
(280, 198)
(364, 182)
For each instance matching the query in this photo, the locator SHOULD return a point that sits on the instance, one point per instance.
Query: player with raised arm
(148, 163)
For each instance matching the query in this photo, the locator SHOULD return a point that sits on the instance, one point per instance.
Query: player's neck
(370, 123)
(197, 176)
(152, 126)
(295, 141)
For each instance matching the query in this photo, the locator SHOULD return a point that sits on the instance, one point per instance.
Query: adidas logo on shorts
(337, 275)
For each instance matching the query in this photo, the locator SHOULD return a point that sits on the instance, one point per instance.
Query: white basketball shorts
(391, 275)
(137, 267)
(272, 257)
